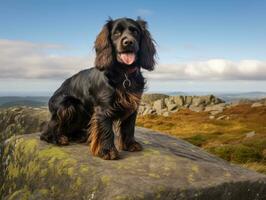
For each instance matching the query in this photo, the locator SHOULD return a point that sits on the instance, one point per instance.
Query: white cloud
(20, 59)
(213, 69)
(28, 60)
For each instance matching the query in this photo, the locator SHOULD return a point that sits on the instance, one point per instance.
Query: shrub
(238, 153)
(197, 140)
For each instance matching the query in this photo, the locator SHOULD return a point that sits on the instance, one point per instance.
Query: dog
(87, 104)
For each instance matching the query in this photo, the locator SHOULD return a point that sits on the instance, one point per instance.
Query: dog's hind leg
(67, 123)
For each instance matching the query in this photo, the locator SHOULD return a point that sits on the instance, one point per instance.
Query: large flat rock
(167, 168)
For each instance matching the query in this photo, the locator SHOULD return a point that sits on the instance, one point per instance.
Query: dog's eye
(117, 33)
(135, 32)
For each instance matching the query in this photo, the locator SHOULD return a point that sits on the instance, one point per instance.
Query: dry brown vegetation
(227, 138)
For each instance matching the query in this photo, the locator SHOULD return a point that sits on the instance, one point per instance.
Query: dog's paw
(109, 154)
(63, 140)
(135, 146)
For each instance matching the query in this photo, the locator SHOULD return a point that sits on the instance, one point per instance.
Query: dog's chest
(126, 101)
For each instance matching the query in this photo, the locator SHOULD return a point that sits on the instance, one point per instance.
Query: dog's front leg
(127, 140)
(102, 137)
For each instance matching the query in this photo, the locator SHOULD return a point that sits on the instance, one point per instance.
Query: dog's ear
(147, 51)
(103, 47)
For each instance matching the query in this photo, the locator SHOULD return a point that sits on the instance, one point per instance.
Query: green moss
(238, 153)
(195, 168)
(53, 152)
(159, 190)
(150, 151)
(105, 179)
(243, 154)
(197, 140)
(154, 175)
(146, 142)
(121, 197)
(23, 194)
(30, 167)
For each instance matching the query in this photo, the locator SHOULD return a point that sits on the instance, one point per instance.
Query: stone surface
(167, 168)
(159, 103)
(196, 108)
(256, 104)
(21, 120)
(250, 134)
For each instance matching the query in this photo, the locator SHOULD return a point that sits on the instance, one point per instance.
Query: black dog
(87, 104)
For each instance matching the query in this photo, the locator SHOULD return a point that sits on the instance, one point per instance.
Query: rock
(174, 110)
(188, 100)
(215, 112)
(256, 104)
(149, 111)
(196, 108)
(217, 107)
(150, 98)
(221, 117)
(141, 109)
(167, 168)
(159, 105)
(250, 134)
(179, 100)
(166, 114)
(211, 117)
(21, 120)
(197, 101)
(171, 106)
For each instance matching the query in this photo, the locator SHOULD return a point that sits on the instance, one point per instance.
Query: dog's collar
(131, 70)
(127, 82)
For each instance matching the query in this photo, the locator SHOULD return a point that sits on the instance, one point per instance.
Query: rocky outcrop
(164, 105)
(166, 169)
(21, 120)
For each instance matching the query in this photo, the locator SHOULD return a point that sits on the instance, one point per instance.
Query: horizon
(199, 93)
(202, 46)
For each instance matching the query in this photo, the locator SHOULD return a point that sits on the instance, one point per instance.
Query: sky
(202, 46)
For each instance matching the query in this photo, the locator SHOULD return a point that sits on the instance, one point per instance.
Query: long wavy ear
(103, 47)
(147, 48)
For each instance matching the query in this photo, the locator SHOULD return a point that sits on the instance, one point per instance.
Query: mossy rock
(167, 169)
(21, 120)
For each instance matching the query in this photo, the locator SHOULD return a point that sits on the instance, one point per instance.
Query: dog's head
(125, 41)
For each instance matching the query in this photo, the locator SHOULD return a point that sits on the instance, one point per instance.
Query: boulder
(215, 109)
(150, 98)
(256, 104)
(194, 108)
(166, 114)
(21, 120)
(167, 168)
(171, 106)
(149, 111)
(188, 100)
(179, 100)
(159, 105)
(250, 134)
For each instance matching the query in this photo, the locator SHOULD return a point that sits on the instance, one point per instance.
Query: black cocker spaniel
(88, 103)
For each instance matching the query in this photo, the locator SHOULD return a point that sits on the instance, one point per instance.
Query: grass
(224, 138)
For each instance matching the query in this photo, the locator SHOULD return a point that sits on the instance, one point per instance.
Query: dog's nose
(127, 42)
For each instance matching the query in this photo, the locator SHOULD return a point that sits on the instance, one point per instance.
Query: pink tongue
(127, 58)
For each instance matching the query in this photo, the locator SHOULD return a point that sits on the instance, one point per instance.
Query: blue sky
(202, 45)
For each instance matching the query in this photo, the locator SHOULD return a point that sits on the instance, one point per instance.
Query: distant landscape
(37, 101)
(8, 101)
